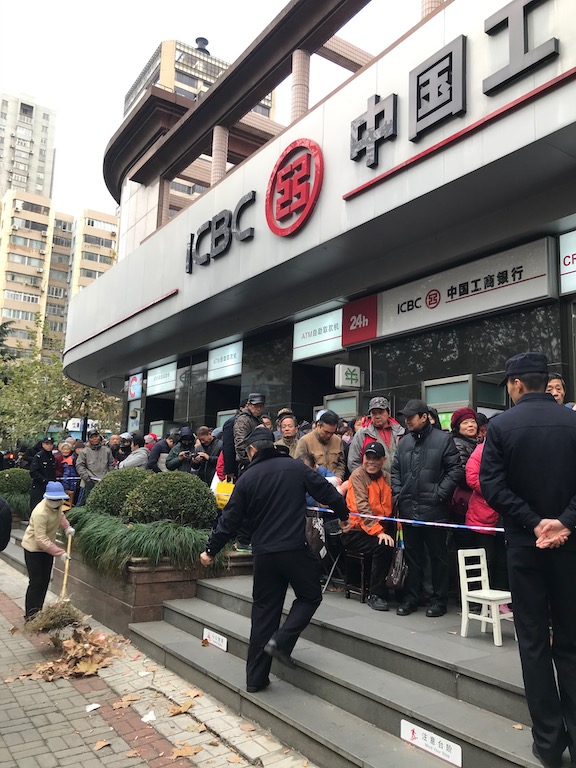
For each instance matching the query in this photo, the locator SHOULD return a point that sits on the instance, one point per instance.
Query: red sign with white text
(360, 321)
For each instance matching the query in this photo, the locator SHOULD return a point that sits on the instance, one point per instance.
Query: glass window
(46, 116)
(103, 242)
(26, 133)
(56, 293)
(57, 274)
(92, 274)
(18, 314)
(31, 298)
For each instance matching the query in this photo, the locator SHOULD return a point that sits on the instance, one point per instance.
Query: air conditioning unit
(18, 207)
(40, 270)
(113, 234)
(43, 252)
(45, 233)
(14, 227)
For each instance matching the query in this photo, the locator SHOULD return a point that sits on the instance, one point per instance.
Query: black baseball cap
(525, 362)
(376, 448)
(414, 407)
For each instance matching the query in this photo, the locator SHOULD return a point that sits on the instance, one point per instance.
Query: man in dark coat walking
(425, 472)
(270, 500)
(527, 475)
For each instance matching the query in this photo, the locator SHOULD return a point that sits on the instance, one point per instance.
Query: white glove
(70, 531)
(64, 557)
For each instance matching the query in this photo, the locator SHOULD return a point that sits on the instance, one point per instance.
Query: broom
(59, 614)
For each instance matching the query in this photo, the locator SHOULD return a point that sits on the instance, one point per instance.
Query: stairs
(360, 676)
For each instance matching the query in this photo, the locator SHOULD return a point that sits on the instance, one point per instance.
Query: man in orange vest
(369, 493)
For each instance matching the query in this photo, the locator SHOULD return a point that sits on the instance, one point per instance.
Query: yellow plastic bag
(223, 492)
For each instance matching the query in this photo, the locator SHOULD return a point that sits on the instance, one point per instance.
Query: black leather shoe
(256, 688)
(405, 609)
(546, 763)
(436, 610)
(377, 603)
(271, 648)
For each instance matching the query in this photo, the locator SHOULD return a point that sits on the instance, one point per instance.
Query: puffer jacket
(425, 472)
(479, 511)
(466, 447)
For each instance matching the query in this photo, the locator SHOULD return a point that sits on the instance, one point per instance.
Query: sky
(80, 60)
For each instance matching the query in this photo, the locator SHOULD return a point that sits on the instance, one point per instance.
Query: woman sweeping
(39, 546)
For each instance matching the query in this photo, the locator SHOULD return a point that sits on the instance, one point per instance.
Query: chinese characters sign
(431, 742)
(318, 335)
(225, 361)
(162, 379)
(506, 279)
(568, 263)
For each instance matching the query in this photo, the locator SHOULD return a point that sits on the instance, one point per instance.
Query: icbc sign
(294, 187)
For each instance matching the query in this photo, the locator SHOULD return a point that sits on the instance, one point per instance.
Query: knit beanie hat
(461, 415)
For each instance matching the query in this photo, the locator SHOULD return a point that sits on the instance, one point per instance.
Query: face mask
(53, 503)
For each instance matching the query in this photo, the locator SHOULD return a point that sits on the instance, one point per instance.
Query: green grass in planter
(165, 539)
(94, 536)
(19, 504)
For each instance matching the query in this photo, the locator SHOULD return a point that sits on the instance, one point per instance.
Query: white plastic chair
(473, 571)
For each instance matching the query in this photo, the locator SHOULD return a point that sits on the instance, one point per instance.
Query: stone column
(430, 5)
(219, 154)
(300, 84)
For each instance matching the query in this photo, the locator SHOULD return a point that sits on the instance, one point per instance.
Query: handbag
(459, 503)
(315, 534)
(398, 568)
(223, 491)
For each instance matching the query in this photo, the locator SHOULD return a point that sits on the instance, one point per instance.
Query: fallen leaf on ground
(192, 694)
(214, 743)
(202, 728)
(132, 753)
(185, 751)
(205, 643)
(137, 657)
(125, 701)
(247, 727)
(100, 745)
(518, 727)
(234, 759)
(13, 630)
(10, 680)
(181, 710)
(305, 764)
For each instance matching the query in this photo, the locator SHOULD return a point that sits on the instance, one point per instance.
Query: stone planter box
(139, 593)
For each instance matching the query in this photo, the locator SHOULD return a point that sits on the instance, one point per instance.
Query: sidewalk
(46, 725)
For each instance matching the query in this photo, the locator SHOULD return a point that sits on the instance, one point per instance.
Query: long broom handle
(66, 568)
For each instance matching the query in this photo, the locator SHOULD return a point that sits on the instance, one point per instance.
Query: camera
(187, 454)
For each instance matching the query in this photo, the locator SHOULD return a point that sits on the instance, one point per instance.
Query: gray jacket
(369, 434)
(94, 462)
(138, 458)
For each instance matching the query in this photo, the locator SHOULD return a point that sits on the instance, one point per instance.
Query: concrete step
(16, 535)
(427, 651)
(321, 731)
(375, 695)
(14, 556)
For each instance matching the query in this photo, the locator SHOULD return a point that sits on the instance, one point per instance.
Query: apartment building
(26, 145)
(46, 257)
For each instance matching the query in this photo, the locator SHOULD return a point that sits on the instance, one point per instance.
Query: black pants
(542, 585)
(418, 539)
(272, 574)
(359, 541)
(39, 565)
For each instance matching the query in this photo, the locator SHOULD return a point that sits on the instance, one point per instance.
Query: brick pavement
(46, 725)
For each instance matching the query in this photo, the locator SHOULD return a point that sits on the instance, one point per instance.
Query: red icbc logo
(294, 187)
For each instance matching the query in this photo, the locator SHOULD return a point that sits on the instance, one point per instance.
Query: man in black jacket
(425, 471)
(42, 469)
(270, 499)
(205, 455)
(528, 476)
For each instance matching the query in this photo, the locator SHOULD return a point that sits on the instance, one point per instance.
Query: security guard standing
(270, 500)
(527, 475)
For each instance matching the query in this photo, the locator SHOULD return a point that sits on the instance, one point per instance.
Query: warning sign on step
(431, 742)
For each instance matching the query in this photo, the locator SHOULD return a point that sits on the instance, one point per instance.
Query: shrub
(175, 496)
(14, 481)
(19, 504)
(108, 496)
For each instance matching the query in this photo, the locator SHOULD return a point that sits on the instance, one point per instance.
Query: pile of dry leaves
(83, 654)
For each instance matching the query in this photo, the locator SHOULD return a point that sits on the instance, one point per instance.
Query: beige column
(430, 5)
(219, 153)
(300, 84)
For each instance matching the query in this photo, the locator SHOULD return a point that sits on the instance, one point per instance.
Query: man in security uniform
(527, 475)
(269, 499)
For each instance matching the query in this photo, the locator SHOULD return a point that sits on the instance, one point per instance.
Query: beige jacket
(329, 455)
(42, 527)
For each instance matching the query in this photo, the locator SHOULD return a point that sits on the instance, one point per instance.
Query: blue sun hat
(55, 491)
